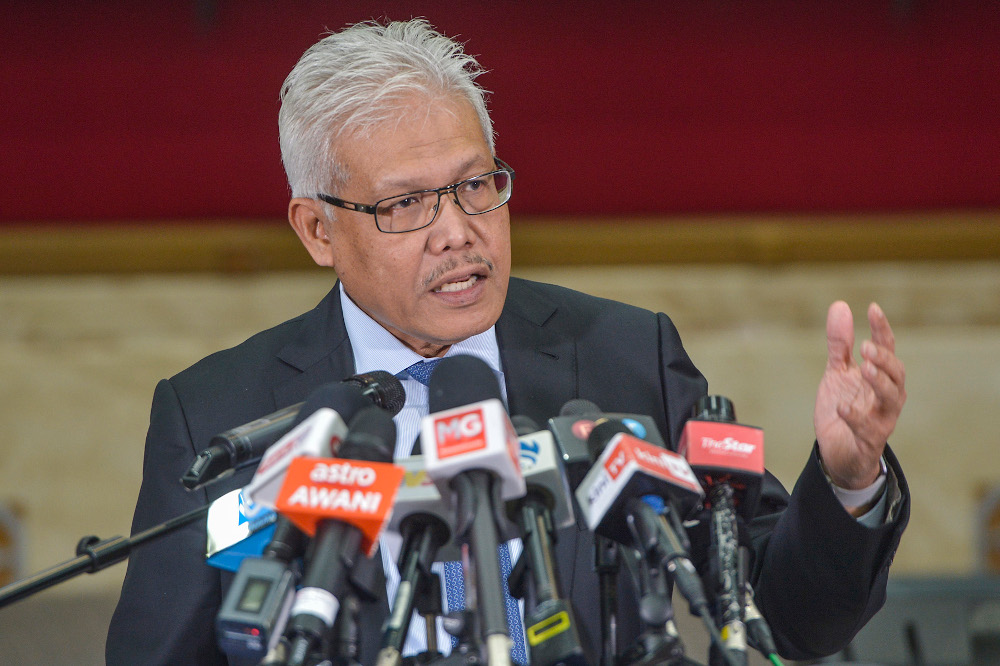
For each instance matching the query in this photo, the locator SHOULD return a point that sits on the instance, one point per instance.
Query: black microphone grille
(383, 388)
(461, 380)
(523, 425)
(602, 433)
(371, 435)
(579, 407)
(714, 408)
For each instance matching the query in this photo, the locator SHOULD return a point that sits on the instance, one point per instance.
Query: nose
(452, 228)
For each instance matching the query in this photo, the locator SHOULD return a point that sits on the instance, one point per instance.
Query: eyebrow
(404, 185)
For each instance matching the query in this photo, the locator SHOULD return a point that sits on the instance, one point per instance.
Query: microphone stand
(606, 563)
(729, 583)
(658, 536)
(549, 620)
(463, 625)
(93, 555)
(428, 606)
(344, 648)
(422, 537)
(478, 491)
(659, 643)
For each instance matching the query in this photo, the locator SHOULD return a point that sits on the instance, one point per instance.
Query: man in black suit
(373, 112)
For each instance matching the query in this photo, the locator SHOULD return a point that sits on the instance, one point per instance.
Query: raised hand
(857, 406)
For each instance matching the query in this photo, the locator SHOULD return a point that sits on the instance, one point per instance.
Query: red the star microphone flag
(720, 450)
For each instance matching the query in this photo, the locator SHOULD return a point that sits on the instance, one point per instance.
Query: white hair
(353, 80)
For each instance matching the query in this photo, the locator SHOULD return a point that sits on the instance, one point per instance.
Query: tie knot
(422, 370)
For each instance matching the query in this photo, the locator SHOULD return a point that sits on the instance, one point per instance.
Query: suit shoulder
(253, 359)
(540, 299)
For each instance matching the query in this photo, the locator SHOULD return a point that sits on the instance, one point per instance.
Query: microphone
(549, 620)
(758, 631)
(365, 583)
(422, 519)
(729, 461)
(419, 500)
(574, 424)
(612, 497)
(344, 504)
(258, 602)
(472, 457)
(245, 444)
(254, 611)
(626, 467)
(571, 430)
(722, 451)
(322, 427)
(236, 530)
(237, 527)
(544, 474)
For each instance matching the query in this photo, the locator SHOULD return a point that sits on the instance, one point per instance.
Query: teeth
(457, 286)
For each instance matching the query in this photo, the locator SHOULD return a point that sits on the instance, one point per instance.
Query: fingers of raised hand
(884, 372)
(882, 334)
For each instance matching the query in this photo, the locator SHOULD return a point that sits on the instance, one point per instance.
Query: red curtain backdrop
(167, 110)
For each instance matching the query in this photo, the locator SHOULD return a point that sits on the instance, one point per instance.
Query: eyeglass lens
(413, 211)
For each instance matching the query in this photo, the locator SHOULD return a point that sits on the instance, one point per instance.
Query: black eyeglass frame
(370, 209)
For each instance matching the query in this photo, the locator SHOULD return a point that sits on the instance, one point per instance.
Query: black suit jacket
(819, 575)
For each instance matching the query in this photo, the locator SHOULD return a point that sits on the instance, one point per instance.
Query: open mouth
(457, 286)
(458, 275)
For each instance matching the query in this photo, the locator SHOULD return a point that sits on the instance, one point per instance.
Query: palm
(857, 406)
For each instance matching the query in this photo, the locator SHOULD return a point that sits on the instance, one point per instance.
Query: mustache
(472, 259)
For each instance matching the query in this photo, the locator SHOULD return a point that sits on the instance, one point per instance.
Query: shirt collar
(375, 348)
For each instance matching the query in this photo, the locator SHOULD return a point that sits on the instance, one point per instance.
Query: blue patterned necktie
(454, 580)
(517, 652)
(422, 370)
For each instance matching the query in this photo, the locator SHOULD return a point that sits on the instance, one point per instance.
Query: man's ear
(307, 218)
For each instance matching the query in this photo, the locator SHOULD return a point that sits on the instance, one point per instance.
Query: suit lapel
(539, 362)
(539, 365)
(321, 351)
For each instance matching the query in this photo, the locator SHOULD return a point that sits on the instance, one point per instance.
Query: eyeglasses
(416, 210)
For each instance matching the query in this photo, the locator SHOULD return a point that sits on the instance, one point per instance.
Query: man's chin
(453, 336)
(457, 331)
